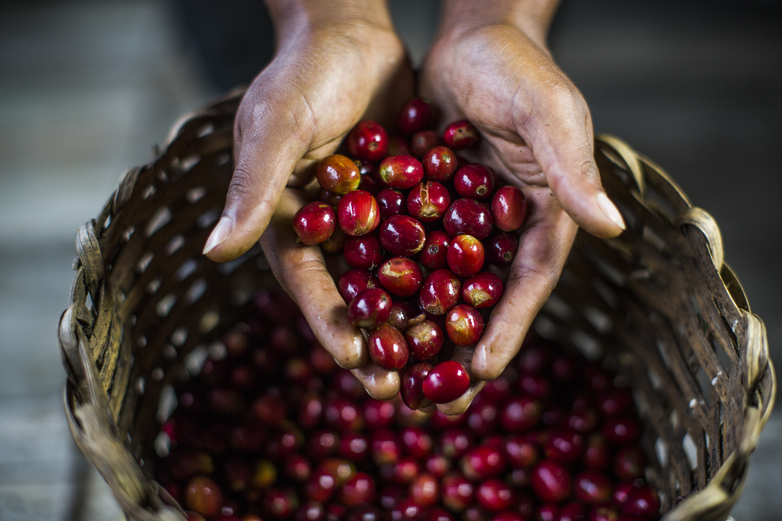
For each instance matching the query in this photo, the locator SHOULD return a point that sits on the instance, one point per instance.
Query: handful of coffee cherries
(424, 232)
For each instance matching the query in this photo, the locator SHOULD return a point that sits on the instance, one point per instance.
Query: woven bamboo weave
(658, 302)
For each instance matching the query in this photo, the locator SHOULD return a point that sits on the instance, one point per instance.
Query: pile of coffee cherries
(271, 429)
(420, 227)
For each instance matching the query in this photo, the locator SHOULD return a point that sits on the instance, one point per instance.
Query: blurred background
(88, 87)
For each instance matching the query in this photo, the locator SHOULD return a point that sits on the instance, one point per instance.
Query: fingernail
(219, 235)
(610, 210)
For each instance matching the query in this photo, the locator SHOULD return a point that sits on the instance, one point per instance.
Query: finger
(381, 384)
(271, 136)
(463, 355)
(302, 272)
(543, 249)
(557, 126)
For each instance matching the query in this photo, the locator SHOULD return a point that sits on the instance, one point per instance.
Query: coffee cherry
(592, 487)
(596, 453)
(509, 208)
(467, 216)
(464, 325)
(501, 248)
(446, 381)
(428, 201)
(424, 141)
(564, 445)
(401, 172)
(354, 282)
(622, 429)
(203, 496)
(465, 255)
(433, 256)
(314, 223)
(368, 140)
(551, 481)
(520, 451)
(398, 146)
(391, 202)
(360, 489)
(425, 490)
(629, 463)
(401, 276)
(440, 292)
(460, 134)
(494, 495)
(439, 164)
(614, 401)
(370, 308)
(402, 235)
(358, 213)
(643, 502)
(482, 290)
(474, 181)
(520, 414)
(424, 340)
(482, 462)
(404, 315)
(416, 115)
(338, 174)
(364, 251)
(412, 381)
(387, 347)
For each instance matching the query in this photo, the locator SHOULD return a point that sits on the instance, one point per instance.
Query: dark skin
(339, 62)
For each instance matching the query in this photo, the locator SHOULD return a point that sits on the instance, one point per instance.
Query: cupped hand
(323, 80)
(537, 134)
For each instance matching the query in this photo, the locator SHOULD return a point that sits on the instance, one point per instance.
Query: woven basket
(659, 302)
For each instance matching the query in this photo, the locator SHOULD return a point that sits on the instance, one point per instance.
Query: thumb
(559, 133)
(271, 135)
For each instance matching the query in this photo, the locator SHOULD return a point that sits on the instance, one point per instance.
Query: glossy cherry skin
(428, 201)
(460, 134)
(439, 164)
(483, 462)
(400, 276)
(354, 282)
(564, 445)
(520, 451)
(474, 181)
(509, 208)
(412, 385)
(440, 292)
(424, 141)
(501, 248)
(643, 502)
(359, 489)
(401, 172)
(368, 141)
(482, 290)
(404, 315)
(446, 381)
(370, 308)
(494, 495)
(520, 414)
(465, 255)
(433, 256)
(402, 235)
(629, 463)
(597, 453)
(551, 481)
(464, 325)
(391, 202)
(387, 347)
(314, 223)
(338, 174)
(364, 251)
(424, 340)
(425, 490)
(591, 486)
(467, 216)
(358, 213)
(416, 115)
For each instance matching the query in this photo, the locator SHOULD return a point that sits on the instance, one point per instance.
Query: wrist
(531, 17)
(295, 18)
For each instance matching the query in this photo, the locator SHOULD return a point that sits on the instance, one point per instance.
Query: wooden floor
(86, 89)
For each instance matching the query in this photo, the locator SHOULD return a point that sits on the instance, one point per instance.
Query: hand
(537, 134)
(336, 64)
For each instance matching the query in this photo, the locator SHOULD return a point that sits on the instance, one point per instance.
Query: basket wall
(658, 302)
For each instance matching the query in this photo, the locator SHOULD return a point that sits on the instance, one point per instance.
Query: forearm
(292, 17)
(532, 17)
